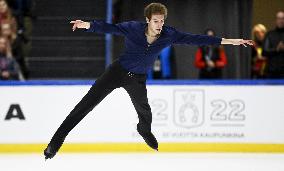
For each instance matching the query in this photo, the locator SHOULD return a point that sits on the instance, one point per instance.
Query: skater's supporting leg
(138, 94)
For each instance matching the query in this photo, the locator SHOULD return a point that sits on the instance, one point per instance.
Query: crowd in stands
(267, 52)
(267, 55)
(13, 38)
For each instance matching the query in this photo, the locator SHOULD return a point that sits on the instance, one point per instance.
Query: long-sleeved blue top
(139, 56)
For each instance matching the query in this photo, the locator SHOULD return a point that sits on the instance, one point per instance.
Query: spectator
(210, 60)
(273, 48)
(21, 9)
(6, 14)
(258, 61)
(8, 66)
(164, 66)
(15, 48)
(5, 31)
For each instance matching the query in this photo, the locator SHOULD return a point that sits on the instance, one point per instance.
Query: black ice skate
(52, 148)
(149, 138)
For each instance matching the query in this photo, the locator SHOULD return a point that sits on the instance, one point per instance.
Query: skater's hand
(242, 42)
(80, 24)
(237, 42)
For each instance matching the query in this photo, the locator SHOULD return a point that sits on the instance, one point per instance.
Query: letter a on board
(15, 112)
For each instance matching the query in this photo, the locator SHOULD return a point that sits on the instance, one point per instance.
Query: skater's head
(155, 14)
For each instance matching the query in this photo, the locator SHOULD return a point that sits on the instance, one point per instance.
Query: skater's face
(155, 24)
(280, 19)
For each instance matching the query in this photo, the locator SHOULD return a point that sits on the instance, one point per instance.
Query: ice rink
(144, 161)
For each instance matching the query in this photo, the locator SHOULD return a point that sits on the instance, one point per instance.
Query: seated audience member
(164, 66)
(21, 9)
(15, 48)
(210, 60)
(9, 69)
(6, 14)
(273, 48)
(258, 61)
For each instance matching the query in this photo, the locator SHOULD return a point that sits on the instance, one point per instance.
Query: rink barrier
(149, 82)
(142, 147)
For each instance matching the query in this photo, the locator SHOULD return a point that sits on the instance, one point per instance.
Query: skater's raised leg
(103, 86)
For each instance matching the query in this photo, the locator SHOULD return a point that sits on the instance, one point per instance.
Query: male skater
(143, 43)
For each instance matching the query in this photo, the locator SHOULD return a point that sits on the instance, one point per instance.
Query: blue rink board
(149, 82)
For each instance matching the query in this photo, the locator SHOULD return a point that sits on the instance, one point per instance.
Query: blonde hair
(155, 8)
(260, 27)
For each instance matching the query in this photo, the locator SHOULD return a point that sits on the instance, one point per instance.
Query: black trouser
(114, 77)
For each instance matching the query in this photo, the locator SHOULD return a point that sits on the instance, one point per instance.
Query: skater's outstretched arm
(202, 40)
(101, 27)
(195, 39)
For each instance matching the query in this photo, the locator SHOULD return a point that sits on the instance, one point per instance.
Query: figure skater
(143, 43)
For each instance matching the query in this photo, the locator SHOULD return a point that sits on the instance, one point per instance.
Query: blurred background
(214, 107)
(43, 46)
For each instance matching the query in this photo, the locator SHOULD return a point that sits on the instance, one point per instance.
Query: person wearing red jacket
(210, 60)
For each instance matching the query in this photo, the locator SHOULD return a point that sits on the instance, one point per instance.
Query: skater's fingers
(76, 21)
(249, 42)
(74, 27)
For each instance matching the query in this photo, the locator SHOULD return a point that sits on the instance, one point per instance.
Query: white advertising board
(181, 113)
